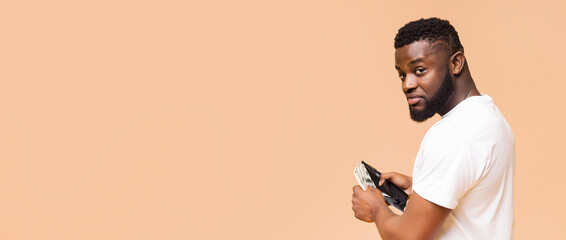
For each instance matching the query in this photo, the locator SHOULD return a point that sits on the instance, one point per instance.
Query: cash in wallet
(369, 176)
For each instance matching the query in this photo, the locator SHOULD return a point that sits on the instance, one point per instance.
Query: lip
(414, 100)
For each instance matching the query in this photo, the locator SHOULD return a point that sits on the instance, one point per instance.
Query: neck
(464, 87)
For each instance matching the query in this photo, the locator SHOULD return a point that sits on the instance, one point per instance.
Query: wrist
(380, 212)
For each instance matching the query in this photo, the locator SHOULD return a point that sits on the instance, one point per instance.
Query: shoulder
(473, 120)
(447, 134)
(462, 133)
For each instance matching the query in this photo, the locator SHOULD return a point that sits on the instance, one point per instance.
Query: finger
(383, 177)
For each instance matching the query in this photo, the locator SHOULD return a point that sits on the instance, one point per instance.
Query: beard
(436, 102)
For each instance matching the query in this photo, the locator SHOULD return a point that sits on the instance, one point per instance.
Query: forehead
(425, 50)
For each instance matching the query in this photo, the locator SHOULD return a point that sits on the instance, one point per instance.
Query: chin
(416, 108)
(420, 116)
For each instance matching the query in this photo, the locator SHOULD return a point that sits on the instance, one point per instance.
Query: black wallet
(393, 194)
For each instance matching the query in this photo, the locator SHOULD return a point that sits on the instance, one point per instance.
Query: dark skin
(422, 66)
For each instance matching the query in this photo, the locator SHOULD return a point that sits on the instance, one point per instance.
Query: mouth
(414, 100)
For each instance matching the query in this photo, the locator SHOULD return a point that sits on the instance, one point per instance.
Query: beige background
(245, 119)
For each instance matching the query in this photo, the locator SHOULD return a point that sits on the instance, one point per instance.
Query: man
(462, 184)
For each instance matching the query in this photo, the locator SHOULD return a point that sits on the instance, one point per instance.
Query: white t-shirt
(466, 163)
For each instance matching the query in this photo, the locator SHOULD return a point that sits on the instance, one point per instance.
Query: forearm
(389, 224)
(421, 220)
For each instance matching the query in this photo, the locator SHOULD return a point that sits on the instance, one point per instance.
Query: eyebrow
(415, 61)
(412, 62)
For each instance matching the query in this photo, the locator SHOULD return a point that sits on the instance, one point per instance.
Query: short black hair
(430, 29)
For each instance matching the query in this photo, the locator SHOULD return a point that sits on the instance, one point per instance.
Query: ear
(457, 62)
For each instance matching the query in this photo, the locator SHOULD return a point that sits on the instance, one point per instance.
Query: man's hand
(366, 204)
(423, 217)
(403, 181)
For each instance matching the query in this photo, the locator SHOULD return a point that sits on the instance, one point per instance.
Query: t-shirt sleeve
(452, 162)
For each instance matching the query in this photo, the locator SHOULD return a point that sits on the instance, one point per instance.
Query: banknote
(363, 177)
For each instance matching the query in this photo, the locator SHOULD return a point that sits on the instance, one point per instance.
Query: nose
(409, 84)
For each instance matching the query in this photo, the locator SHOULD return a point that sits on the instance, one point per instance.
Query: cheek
(431, 83)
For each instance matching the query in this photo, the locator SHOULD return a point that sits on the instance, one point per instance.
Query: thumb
(383, 177)
(382, 180)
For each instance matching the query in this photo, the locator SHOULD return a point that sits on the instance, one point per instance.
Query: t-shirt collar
(463, 102)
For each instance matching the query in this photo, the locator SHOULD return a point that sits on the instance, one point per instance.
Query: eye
(402, 76)
(420, 71)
